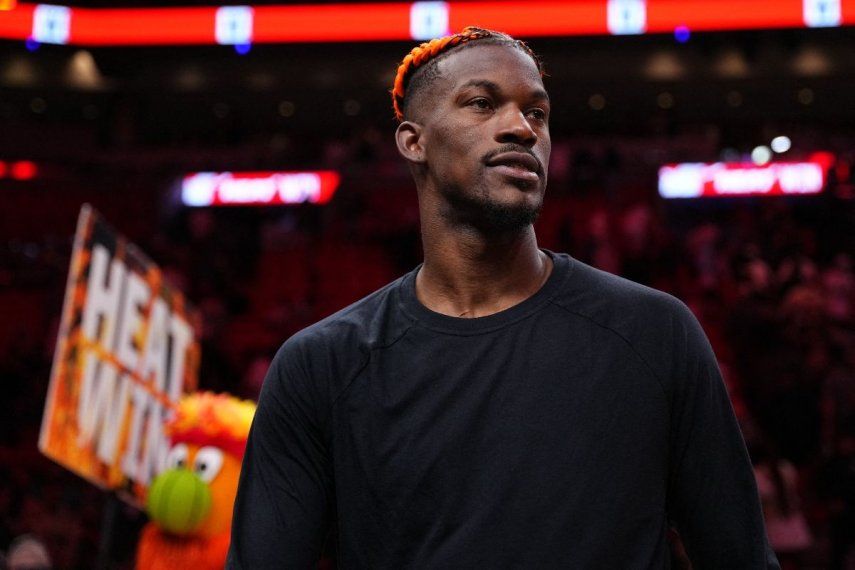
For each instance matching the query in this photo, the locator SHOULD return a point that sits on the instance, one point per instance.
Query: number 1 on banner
(234, 25)
(51, 24)
(822, 13)
(626, 16)
(428, 20)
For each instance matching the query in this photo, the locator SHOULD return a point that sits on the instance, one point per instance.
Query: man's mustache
(512, 147)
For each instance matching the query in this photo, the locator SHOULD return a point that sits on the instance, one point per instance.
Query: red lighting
(332, 23)
(824, 159)
(3, 169)
(143, 26)
(24, 170)
(533, 18)
(17, 23)
(699, 15)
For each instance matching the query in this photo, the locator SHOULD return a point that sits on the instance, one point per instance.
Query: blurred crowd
(771, 280)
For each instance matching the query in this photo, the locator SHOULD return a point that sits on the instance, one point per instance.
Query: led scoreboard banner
(245, 25)
(258, 188)
(731, 179)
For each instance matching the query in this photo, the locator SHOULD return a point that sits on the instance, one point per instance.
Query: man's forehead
(498, 64)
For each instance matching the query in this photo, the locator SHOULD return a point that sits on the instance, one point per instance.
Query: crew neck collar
(410, 304)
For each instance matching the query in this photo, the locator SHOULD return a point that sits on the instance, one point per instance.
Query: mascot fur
(190, 503)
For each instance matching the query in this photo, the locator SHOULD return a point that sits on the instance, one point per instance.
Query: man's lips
(516, 165)
(517, 159)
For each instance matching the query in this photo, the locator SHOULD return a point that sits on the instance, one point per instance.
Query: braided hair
(419, 66)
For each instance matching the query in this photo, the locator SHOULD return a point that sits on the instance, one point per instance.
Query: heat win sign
(126, 352)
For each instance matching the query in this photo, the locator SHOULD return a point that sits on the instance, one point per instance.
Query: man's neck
(467, 273)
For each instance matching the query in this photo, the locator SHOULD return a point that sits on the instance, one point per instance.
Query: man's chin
(493, 216)
(509, 217)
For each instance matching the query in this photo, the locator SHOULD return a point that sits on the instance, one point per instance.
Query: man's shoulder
(603, 296)
(655, 325)
(371, 321)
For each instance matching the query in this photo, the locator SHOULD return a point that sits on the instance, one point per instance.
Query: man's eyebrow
(485, 83)
(540, 94)
(494, 88)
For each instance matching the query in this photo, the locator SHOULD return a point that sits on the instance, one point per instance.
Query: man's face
(486, 137)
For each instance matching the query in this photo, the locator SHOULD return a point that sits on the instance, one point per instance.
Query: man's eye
(481, 103)
(538, 114)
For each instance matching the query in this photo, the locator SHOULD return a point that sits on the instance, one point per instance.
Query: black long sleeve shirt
(567, 431)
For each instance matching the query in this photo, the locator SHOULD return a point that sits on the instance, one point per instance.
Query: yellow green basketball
(178, 501)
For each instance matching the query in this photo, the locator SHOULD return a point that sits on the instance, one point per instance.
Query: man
(501, 406)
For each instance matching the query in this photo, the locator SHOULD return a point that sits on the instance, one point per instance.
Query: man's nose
(514, 127)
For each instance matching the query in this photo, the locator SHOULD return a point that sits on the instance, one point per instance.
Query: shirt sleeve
(712, 496)
(284, 498)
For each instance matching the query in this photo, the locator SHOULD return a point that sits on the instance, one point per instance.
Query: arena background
(770, 278)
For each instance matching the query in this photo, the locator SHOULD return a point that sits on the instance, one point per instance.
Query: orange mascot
(190, 503)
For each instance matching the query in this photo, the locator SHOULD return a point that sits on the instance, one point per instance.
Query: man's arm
(285, 492)
(712, 493)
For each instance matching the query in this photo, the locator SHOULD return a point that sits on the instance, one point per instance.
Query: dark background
(771, 279)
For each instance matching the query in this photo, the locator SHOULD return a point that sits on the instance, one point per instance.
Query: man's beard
(478, 211)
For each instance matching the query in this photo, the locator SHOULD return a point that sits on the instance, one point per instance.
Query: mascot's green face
(178, 500)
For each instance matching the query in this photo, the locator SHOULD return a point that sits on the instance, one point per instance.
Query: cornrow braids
(429, 52)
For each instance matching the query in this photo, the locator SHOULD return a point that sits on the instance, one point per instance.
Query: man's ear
(409, 140)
